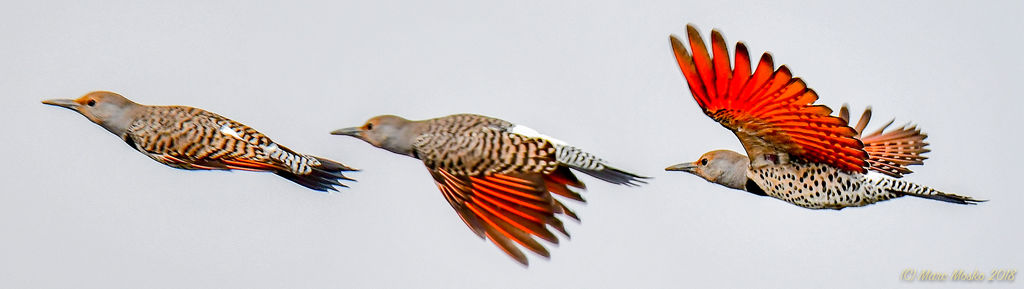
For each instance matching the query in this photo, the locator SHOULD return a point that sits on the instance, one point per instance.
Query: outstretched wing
(769, 110)
(890, 152)
(508, 209)
(500, 184)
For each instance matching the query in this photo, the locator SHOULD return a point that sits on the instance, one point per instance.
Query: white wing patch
(529, 132)
(228, 131)
(271, 148)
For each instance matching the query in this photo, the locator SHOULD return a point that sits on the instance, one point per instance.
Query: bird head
(724, 167)
(389, 132)
(105, 108)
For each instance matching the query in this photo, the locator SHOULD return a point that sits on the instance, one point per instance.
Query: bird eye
(703, 162)
(92, 102)
(369, 126)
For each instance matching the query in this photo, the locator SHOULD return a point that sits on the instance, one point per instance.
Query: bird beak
(65, 103)
(349, 131)
(685, 167)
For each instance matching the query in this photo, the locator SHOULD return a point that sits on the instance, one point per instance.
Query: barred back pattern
(192, 138)
(474, 145)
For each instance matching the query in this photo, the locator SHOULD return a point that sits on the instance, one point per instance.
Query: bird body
(819, 186)
(472, 145)
(194, 139)
(795, 151)
(498, 176)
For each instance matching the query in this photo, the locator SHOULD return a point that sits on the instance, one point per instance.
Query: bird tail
(322, 177)
(912, 189)
(587, 163)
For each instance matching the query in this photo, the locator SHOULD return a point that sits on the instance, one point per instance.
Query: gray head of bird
(390, 132)
(107, 109)
(724, 167)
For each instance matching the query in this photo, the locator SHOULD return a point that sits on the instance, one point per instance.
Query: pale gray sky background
(79, 209)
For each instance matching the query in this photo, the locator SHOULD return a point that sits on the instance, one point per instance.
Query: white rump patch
(228, 131)
(875, 176)
(529, 132)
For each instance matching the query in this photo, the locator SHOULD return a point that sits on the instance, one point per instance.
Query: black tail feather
(949, 198)
(323, 177)
(907, 188)
(615, 176)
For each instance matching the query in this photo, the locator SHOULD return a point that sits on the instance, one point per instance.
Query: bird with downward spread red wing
(498, 176)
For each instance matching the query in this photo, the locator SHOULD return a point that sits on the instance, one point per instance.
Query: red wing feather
(509, 209)
(218, 164)
(193, 165)
(249, 165)
(769, 110)
(890, 152)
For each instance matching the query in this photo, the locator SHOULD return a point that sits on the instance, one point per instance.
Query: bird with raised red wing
(498, 176)
(796, 151)
(194, 139)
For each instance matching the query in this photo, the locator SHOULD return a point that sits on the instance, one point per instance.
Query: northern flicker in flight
(796, 151)
(498, 176)
(194, 139)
